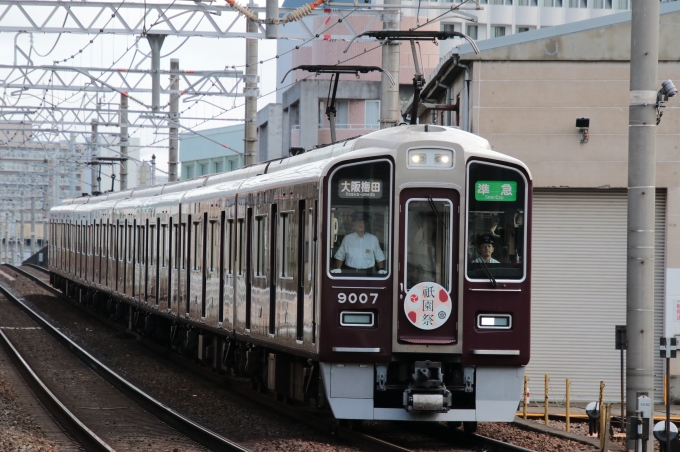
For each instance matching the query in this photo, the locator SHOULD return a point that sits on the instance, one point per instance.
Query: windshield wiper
(492, 280)
(433, 207)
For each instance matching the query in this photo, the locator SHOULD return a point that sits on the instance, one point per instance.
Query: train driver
(360, 249)
(485, 250)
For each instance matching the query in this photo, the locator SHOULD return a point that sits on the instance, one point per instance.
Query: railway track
(301, 414)
(98, 416)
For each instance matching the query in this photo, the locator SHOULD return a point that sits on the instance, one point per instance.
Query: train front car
(425, 278)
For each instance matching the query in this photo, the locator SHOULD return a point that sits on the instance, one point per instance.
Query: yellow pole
(547, 379)
(568, 418)
(524, 405)
(665, 395)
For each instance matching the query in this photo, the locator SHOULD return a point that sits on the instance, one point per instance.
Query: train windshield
(496, 230)
(359, 221)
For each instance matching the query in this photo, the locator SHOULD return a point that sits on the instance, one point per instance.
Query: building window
(602, 4)
(189, 171)
(342, 117)
(578, 3)
(523, 29)
(449, 28)
(218, 167)
(497, 32)
(372, 118)
(472, 31)
(204, 169)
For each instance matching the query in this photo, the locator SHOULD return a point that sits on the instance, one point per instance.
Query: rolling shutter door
(579, 291)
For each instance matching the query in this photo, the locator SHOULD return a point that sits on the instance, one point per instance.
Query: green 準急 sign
(495, 190)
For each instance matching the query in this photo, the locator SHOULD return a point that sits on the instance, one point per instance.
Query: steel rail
(184, 425)
(344, 433)
(73, 427)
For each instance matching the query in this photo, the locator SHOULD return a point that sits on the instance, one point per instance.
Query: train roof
(299, 168)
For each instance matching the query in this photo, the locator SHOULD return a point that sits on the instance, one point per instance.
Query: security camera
(668, 89)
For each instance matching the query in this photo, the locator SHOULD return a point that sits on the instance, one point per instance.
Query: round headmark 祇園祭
(427, 305)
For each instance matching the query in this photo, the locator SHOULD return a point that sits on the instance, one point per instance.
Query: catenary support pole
(644, 59)
(174, 119)
(390, 111)
(155, 42)
(272, 12)
(21, 232)
(251, 93)
(96, 179)
(123, 142)
(32, 225)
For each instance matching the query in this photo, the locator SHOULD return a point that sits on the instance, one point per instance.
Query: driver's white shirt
(360, 252)
(479, 260)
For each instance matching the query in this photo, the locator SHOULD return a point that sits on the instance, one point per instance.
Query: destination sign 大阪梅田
(360, 188)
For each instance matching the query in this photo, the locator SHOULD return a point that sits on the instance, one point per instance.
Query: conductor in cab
(360, 250)
(485, 250)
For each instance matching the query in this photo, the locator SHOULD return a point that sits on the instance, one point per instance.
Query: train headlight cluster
(430, 158)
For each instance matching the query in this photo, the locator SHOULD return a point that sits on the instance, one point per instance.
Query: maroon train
(388, 275)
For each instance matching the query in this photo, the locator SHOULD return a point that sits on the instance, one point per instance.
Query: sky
(126, 51)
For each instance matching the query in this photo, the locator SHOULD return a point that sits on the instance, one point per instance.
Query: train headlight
(494, 321)
(430, 158)
(443, 159)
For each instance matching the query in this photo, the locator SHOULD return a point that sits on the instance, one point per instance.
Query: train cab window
(360, 220)
(496, 233)
(428, 241)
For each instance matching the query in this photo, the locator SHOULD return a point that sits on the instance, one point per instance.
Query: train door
(130, 257)
(259, 256)
(120, 264)
(185, 248)
(239, 277)
(212, 265)
(428, 273)
(288, 287)
(175, 259)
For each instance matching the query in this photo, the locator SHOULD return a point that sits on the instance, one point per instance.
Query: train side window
(229, 247)
(163, 249)
(182, 241)
(497, 201)
(214, 244)
(261, 246)
(152, 245)
(241, 244)
(175, 229)
(131, 244)
(287, 262)
(198, 239)
(96, 239)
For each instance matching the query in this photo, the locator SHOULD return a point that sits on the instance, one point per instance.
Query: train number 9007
(353, 298)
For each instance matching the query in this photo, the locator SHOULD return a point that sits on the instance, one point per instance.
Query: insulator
(301, 12)
(243, 10)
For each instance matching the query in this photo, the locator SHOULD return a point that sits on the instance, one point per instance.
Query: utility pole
(272, 13)
(390, 111)
(251, 93)
(124, 138)
(644, 59)
(174, 120)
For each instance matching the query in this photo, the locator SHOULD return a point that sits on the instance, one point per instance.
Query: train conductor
(485, 250)
(360, 249)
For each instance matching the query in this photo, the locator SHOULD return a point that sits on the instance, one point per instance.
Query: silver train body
(242, 268)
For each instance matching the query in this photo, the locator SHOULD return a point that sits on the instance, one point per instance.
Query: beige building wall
(526, 92)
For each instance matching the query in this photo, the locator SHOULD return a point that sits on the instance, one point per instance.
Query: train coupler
(427, 401)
